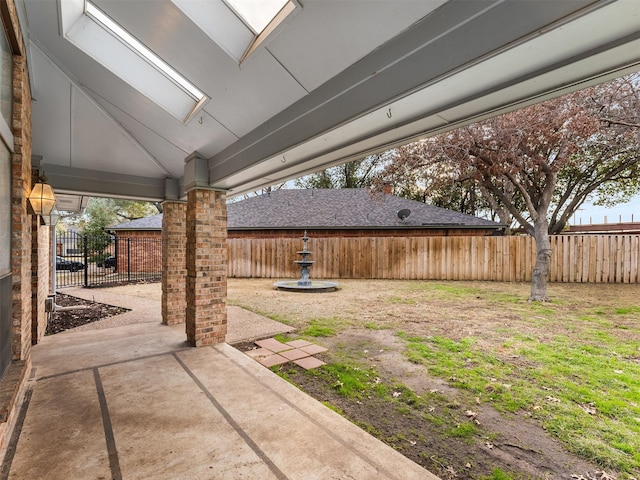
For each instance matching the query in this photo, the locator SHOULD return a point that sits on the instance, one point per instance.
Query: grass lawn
(570, 367)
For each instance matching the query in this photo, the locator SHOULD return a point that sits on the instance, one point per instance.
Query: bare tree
(355, 174)
(541, 163)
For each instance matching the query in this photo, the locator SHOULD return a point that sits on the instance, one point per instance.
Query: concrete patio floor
(135, 402)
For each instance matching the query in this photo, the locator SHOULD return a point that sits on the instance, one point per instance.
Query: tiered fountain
(304, 284)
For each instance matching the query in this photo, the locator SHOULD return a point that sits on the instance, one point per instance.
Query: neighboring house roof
(344, 208)
(318, 209)
(154, 222)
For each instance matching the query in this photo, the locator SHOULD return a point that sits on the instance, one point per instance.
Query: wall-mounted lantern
(52, 219)
(42, 199)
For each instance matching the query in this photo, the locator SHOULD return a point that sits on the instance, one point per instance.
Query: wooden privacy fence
(575, 258)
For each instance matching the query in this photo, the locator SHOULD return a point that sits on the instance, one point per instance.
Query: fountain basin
(311, 286)
(304, 284)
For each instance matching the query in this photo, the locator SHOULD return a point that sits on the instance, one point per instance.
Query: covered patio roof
(326, 82)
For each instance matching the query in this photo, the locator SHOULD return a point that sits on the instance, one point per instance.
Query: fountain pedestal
(304, 284)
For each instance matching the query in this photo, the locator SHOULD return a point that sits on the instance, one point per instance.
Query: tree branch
(612, 121)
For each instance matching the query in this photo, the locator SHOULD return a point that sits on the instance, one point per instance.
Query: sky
(623, 212)
(588, 213)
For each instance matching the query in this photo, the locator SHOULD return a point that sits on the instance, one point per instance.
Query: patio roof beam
(430, 50)
(95, 183)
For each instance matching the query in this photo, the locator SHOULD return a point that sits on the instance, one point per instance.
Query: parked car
(64, 264)
(109, 262)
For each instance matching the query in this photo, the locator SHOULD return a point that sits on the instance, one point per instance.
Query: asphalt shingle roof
(328, 208)
(345, 208)
(154, 222)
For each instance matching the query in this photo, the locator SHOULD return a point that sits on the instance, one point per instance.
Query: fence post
(116, 249)
(128, 259)
(86, 260)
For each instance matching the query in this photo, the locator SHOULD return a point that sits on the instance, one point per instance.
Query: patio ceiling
(334, 81)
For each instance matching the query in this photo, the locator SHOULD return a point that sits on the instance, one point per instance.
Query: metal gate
(92, 260)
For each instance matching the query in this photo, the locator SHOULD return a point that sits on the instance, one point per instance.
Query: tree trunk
(543, 261)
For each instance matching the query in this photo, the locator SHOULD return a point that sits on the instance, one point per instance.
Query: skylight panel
(100, 17)
(101, 38)
(239, 27)
(257, 14)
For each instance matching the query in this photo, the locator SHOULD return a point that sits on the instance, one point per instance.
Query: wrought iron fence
(91, 260)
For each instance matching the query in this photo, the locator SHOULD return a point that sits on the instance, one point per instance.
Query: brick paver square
(273, 345)
(309, 362)
(299, 343)
(272, 360)
(313, 349)
(294, 354)
(272, 352)
(259, 352)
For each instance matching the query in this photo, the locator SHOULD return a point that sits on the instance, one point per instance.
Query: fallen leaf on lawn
(489, 445)
(434, 390)
(478, 400)
(471, 413)
(553, 399)
(366, 351)
(536, 407)
(468, 465)
(412, 443)
(589, 409)
(618, 372)
(396, 394)
(432, 409)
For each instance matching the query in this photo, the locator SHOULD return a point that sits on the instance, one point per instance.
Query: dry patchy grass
(567, 370)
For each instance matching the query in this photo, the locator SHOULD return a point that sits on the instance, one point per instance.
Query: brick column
(41, 263)
(206, 267)
(174, 263)
(21, 221)
(40, 277)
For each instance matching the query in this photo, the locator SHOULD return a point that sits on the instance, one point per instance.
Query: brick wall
(139, 251)
(20, 217)
(12, 385)
(361, 233)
